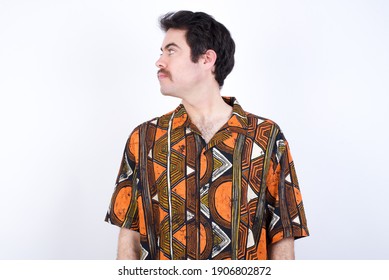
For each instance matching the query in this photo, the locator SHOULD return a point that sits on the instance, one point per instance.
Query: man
(207, 180)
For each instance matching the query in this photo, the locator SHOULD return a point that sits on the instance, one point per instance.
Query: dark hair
(204, 33)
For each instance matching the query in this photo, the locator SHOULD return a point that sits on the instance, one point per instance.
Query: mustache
(164, 72)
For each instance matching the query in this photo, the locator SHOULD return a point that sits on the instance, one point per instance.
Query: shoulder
(264, 129)
(161, 122)
(258, 121)
(268, 135)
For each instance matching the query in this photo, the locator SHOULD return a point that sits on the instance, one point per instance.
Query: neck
(206, 106)
(208, 113)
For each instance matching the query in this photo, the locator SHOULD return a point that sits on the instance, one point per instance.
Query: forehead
(175, 36)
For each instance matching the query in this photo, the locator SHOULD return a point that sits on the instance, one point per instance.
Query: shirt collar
(238, 119)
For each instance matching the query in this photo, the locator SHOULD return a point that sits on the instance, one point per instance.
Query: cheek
(186, 72)
(190, 70)
(179, 73)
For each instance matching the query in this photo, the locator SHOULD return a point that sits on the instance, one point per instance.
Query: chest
(203, 196)
(190, 178)
(209, 129)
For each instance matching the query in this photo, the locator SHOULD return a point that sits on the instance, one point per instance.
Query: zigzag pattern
(200, 210)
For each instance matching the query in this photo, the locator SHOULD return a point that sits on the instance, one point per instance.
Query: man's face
(177, 74)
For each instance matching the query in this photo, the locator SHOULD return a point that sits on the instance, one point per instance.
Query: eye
(171, 51)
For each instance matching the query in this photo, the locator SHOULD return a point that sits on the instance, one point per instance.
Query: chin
(168, 93)
(165, 93)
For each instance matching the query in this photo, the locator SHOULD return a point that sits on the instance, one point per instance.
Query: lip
(162, 75)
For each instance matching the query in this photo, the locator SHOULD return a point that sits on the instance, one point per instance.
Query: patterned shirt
(226, 199)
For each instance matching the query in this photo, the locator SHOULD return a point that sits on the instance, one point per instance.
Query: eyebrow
(170, 45)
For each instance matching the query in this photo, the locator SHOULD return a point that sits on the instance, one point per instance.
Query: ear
(209, 59)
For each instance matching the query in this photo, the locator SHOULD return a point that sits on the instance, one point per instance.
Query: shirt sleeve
(284, 205)
(123, 209)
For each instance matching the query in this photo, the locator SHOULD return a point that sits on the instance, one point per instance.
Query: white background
(75, 75)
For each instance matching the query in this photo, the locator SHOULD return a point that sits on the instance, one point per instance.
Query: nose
(160, 63)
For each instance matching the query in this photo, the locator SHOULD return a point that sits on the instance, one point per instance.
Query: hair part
(203, 32)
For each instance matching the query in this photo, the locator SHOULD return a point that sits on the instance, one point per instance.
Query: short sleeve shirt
(226, 199)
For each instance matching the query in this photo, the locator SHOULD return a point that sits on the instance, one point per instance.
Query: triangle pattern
(250, 193)
(204, 200)
(220, 240)
(189, 170)
(296, 220)
(222, 163)
(126, 170)
(257, 151)
(288, 179)
(189, 216)
(274, 217)
(250, 239)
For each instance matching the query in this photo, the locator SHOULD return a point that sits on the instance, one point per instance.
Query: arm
(282, 250)
(128, 245)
